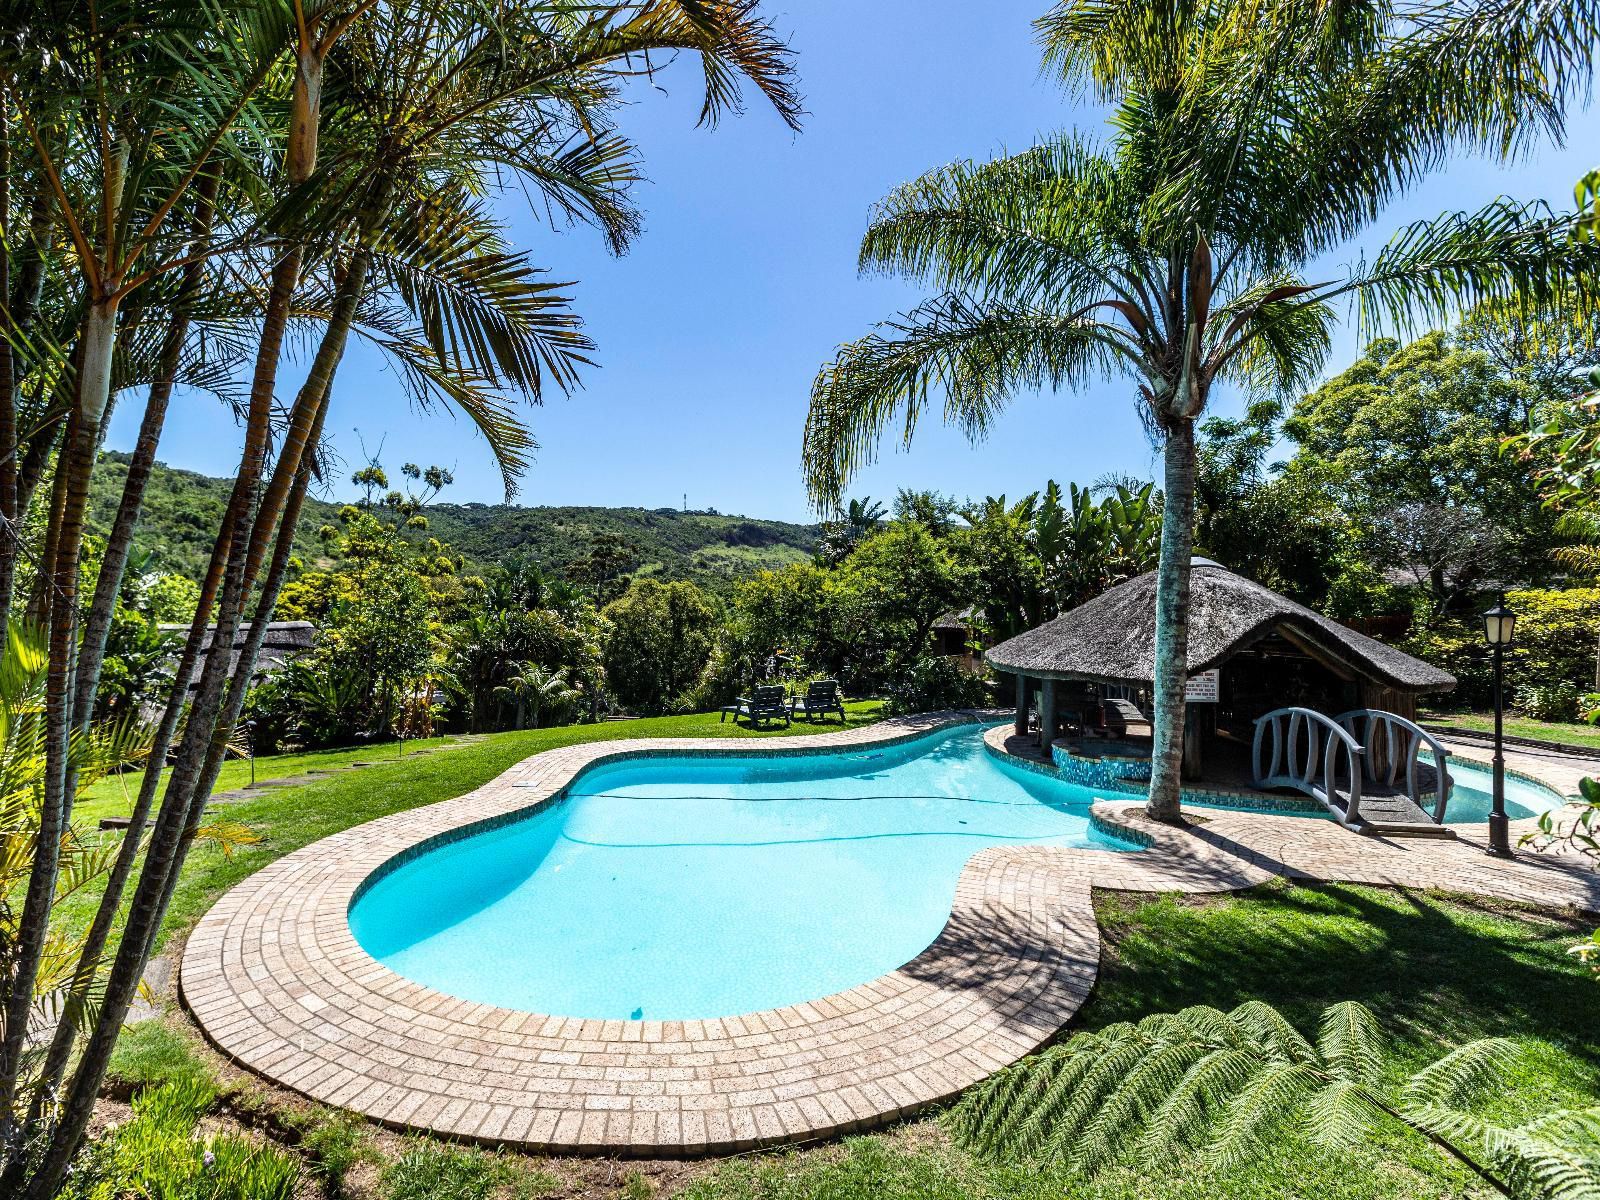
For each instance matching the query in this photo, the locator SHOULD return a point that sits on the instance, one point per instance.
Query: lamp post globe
(1499, 631)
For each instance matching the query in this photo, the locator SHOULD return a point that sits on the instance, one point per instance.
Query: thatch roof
(282, 642)
(958, 620)
(1112, 637)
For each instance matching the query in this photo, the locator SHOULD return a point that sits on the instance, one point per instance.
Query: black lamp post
(1499, 630)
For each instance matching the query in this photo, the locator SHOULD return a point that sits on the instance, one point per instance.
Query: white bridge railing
(1392, 744)
(1331, 758)
(1307, 752)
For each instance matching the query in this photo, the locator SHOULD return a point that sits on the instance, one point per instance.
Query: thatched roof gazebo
(1265, 650)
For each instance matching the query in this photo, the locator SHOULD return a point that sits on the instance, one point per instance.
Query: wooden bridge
(1363, 766)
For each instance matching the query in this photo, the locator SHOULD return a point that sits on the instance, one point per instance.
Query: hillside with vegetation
(183, 510)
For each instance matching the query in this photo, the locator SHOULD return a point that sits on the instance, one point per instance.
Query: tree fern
(1225, 1085)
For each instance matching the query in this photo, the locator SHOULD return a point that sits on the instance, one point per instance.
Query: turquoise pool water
(1473, 794)
(1470, 798)
(670, 888)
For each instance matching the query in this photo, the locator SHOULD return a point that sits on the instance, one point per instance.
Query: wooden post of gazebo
(1047, 714)
(1021, 726)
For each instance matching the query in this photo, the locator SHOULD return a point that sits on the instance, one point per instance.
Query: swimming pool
(1473, 793)
(671, 888)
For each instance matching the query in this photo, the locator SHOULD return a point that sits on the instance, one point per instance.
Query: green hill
(183, 511)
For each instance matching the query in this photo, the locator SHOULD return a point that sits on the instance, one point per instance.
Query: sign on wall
(1204, 688)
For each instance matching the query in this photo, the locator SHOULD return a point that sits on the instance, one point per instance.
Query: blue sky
(711, 329)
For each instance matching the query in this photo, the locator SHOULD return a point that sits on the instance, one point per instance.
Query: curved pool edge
(274, 978)
(908, 729)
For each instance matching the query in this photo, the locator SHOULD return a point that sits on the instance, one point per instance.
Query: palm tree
(852, 525)
(1248, 138)
(534, 689)
(119, 165)
(1225, 1084)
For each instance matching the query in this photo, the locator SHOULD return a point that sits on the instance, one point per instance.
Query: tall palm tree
(1248, 138)
(531, 87)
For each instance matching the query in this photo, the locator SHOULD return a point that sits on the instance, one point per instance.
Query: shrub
(1548, 701)
(1459, 648)
(1557, 636)
(1558, 633)
(271, 714)
(934, 683)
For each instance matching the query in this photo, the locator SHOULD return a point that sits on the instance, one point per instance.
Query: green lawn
(1574, 733)
(1437, 972)
(114, 796)
(288, 818)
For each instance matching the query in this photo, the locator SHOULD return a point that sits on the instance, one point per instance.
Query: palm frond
(1518, 254)
(972, 357)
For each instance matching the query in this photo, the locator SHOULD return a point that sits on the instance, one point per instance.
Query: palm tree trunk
(97, 626)
(94, 385)
(1172, 622)
(38, 608)
(272, 586)
(10, 533)
(89, 955)
(163, 855)
(91, 654)
(139, 929)
(200, 756)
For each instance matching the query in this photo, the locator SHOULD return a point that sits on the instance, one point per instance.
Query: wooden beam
(1311, 650)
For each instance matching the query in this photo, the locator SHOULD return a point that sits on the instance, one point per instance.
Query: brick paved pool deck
(276, 979)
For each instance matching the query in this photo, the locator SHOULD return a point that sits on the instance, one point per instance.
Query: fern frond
(1133, 1101)
(1340, 1115)
(1457, 1078)
(1272, 1096)
(1270, 1029)
(1351, 1042)
(1198, 1102)
(1530, 1165)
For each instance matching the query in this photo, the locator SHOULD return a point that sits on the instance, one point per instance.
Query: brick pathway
(277, 981)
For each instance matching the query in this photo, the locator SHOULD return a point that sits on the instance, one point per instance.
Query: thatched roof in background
(282, 642)
(1112, 637)
(958, 621)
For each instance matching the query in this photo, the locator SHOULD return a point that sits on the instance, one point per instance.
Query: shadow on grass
(1435, 970)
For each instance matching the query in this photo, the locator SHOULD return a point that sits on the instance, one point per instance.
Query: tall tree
(1418, 430)
(1248, 137)
(123, 110)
